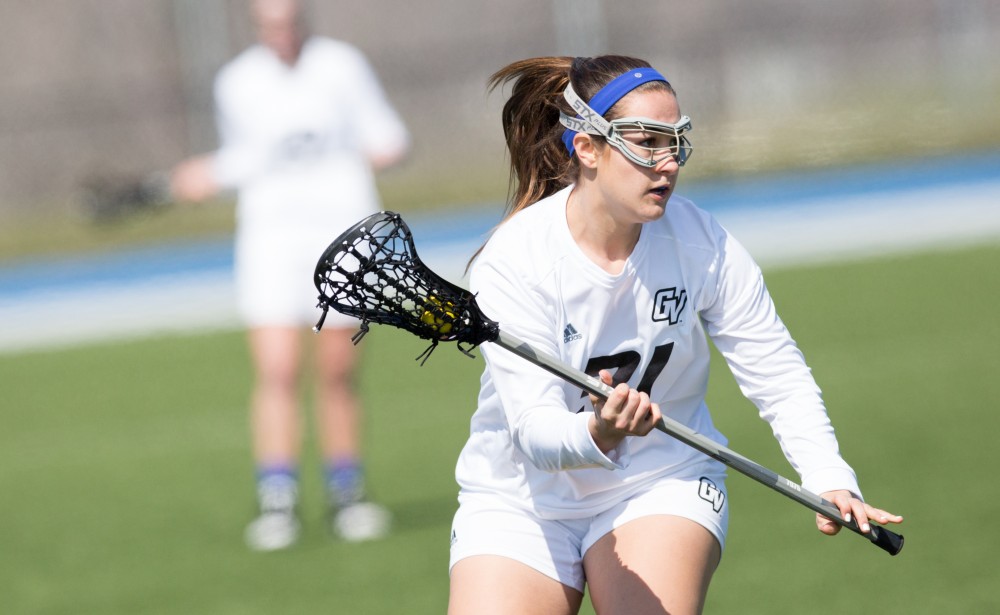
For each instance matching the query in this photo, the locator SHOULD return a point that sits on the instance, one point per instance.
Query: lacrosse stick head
(107, 199)
(372, 272)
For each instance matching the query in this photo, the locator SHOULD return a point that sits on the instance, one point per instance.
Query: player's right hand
(194, 179)
(626, 412)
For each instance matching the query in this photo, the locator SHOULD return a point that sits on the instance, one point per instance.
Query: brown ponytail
(539, 165)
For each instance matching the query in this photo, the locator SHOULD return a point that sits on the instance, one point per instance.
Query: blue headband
(613, 92)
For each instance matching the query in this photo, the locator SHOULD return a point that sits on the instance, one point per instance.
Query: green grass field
(126, 480)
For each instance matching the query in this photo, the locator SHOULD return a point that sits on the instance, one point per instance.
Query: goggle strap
(575, 124)
(589, 115)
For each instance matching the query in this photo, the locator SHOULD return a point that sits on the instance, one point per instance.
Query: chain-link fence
(123, 86)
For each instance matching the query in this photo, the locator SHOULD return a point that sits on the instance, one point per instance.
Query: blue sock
(277, 488)
(344, 481)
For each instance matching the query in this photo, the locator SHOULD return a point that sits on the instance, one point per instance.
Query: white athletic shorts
(274, 278)
(486, 525)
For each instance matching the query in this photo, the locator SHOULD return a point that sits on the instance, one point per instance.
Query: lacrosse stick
(111, 199)
(372, 272)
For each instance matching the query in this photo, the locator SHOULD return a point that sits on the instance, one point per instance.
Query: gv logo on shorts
(708, 491)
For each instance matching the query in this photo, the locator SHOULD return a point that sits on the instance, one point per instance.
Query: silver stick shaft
(891, 543)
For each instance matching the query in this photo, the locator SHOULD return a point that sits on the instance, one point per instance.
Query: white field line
(864, 226)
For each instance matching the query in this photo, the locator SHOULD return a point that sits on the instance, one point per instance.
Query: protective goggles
(644, 141)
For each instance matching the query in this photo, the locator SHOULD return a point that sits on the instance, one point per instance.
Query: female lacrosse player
(304, 123)
(601, 265)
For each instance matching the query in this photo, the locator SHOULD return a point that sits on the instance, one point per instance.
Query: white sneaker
(361, 521)
(272, 531)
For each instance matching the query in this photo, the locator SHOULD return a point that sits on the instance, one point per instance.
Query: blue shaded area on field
(770, 191)
(801, 187)
(473, 223)
(121, 267)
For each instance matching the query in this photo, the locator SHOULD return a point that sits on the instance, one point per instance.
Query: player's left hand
(853, 508)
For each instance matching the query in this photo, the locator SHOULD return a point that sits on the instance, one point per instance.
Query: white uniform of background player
(296, 143)
(303, 123)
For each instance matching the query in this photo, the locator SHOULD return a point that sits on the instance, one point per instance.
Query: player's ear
(586, 150)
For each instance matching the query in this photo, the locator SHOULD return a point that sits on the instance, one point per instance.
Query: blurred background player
(303, 124)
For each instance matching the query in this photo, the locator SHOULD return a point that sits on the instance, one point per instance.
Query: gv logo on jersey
(668, 304)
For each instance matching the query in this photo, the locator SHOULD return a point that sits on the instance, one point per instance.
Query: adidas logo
(570, 334)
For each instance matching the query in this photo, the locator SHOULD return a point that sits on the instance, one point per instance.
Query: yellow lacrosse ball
(439, 315)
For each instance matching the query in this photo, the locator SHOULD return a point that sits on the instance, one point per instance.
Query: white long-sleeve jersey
(687, 277)
(296, 140)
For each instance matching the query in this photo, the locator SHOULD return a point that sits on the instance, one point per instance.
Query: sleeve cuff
(617, 458)
(832, 479)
